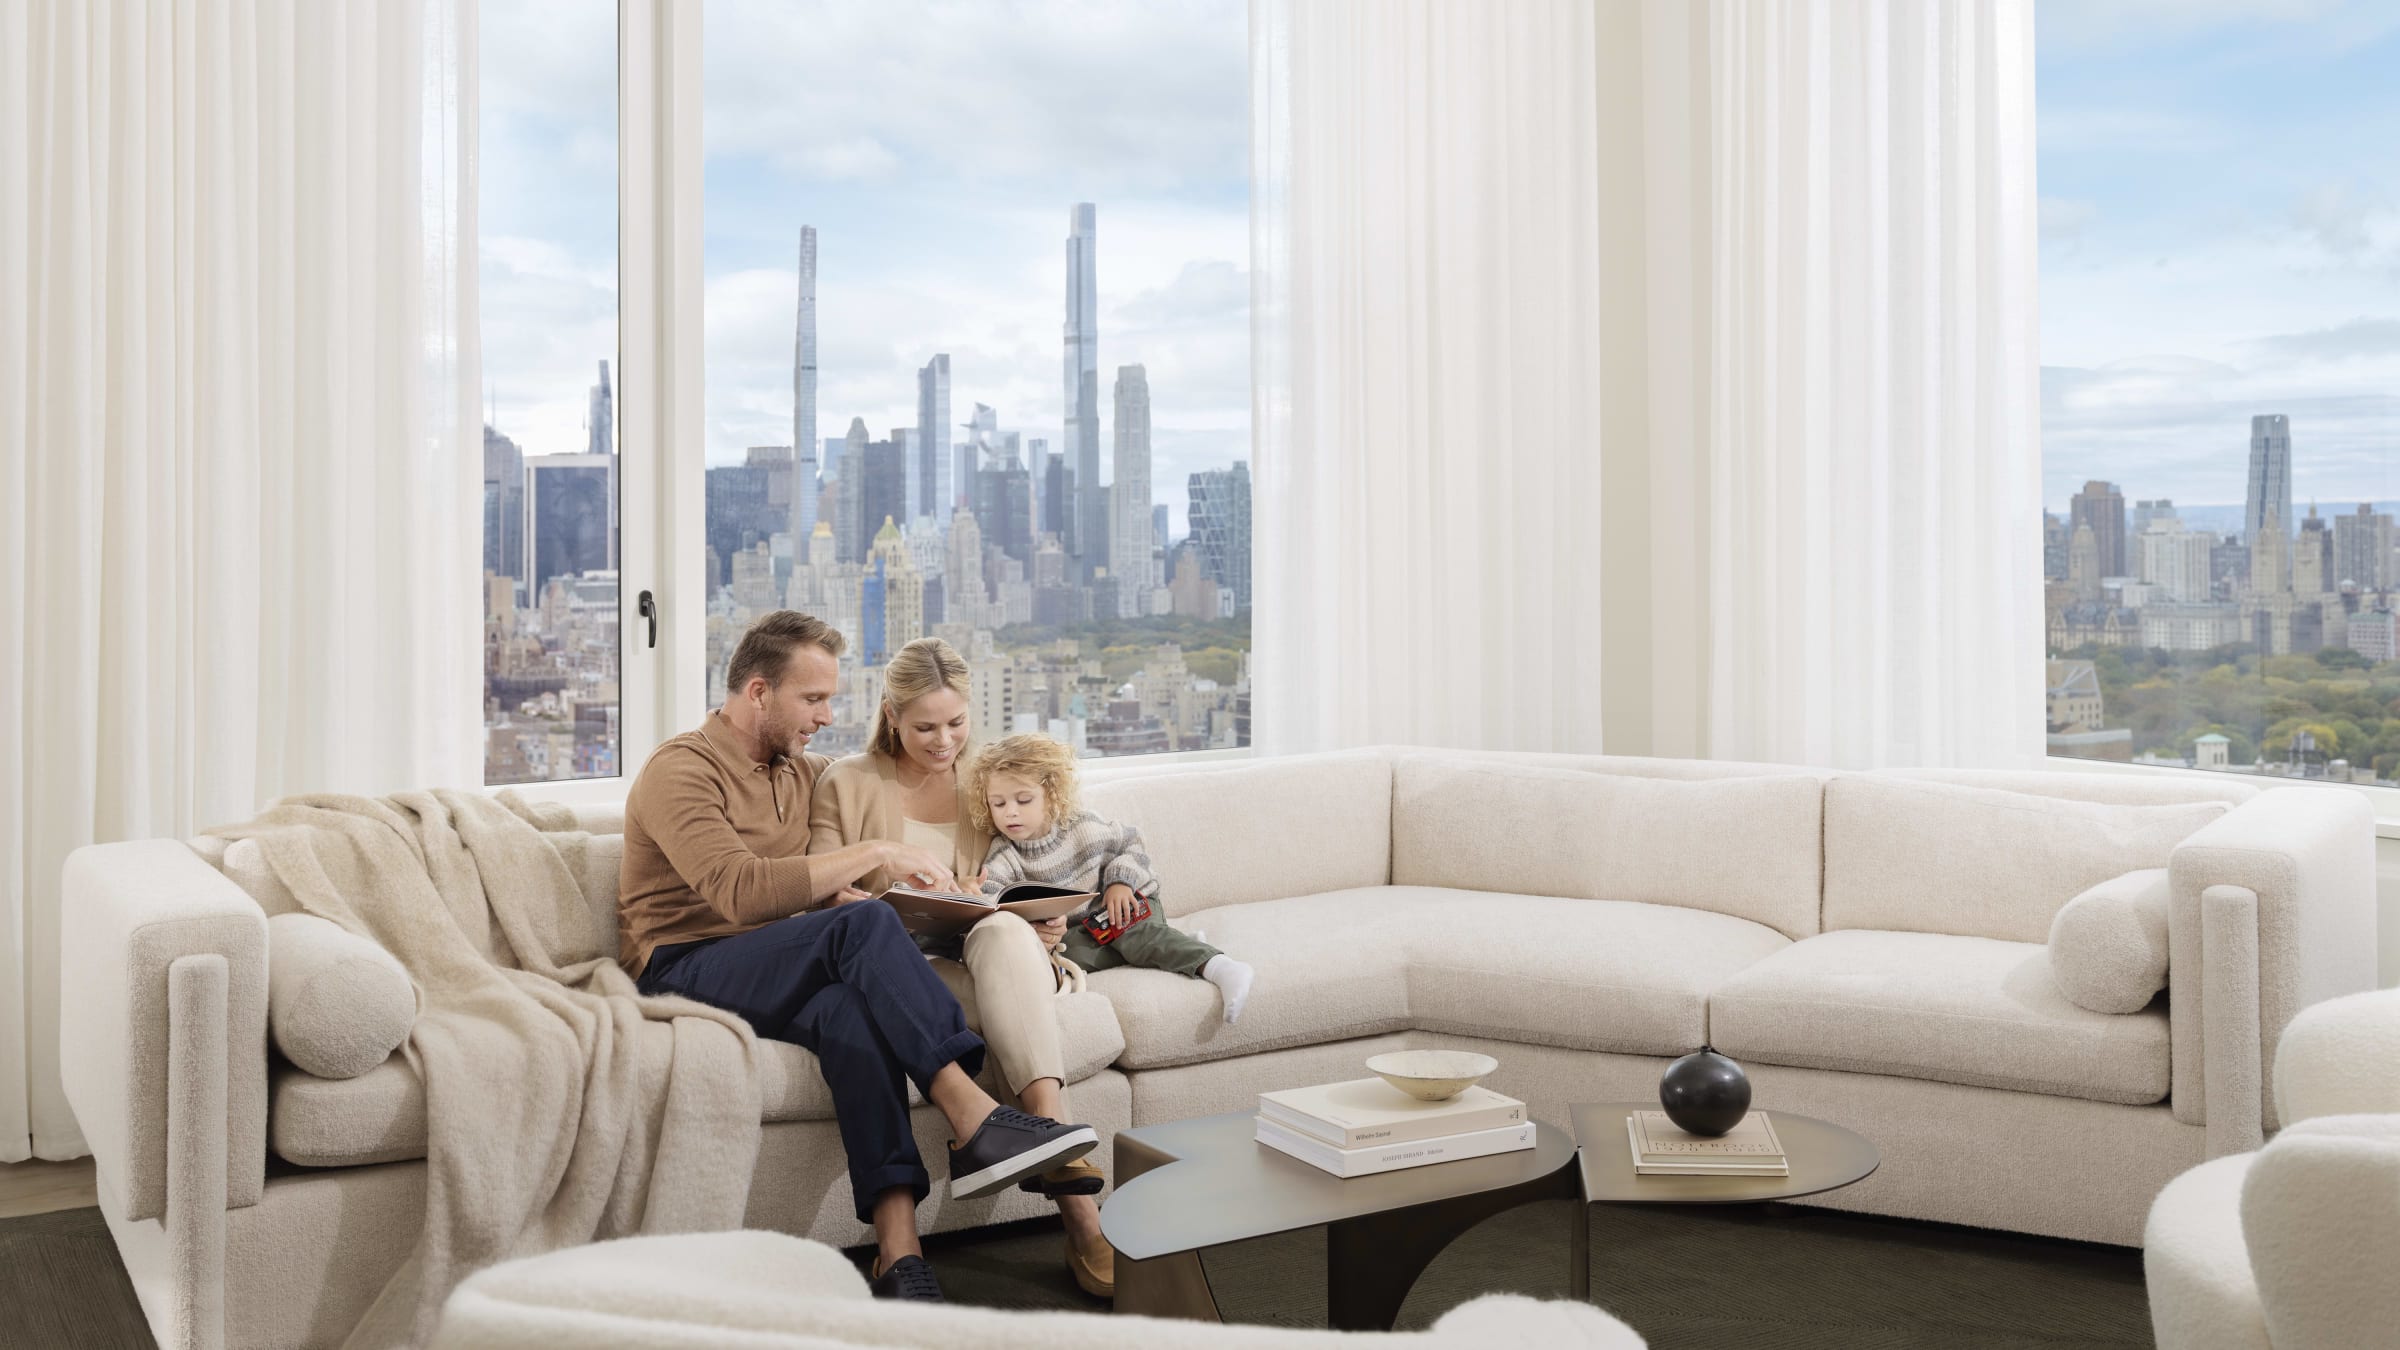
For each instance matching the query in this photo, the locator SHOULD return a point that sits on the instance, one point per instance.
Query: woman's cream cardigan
(859, 798)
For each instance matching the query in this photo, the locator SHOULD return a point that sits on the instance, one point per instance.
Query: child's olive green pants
(1152, 943)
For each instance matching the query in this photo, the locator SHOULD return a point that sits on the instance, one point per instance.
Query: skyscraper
(932, 491)
(603, 416)
(1081, 443)
(2362, 548)
(2270, 499)
(2101, 506)
(883, 496)
(503, 506)
(2312, 558)
(1129, 532)
(852, 532)
(569, 520)
(1221, 527)
(804, 395)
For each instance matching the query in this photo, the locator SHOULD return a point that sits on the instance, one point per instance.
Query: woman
(907, 787)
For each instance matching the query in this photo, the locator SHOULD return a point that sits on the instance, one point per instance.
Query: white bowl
(1432, 1075)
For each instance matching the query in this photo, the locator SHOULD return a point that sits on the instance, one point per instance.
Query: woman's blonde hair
(1033, 757)
(920, 668)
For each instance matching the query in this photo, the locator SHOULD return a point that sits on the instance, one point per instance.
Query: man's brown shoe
(1080, 1177)
(1097, 1278)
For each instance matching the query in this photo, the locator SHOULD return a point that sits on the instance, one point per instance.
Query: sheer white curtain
(1428, 306)
(1873, 490)
(239, 504)
(1797, 350)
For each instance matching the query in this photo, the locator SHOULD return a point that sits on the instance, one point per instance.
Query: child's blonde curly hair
(1030, 756)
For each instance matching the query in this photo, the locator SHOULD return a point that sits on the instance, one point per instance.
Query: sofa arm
(131, 911)
(2272, 909)
(2321, 1217)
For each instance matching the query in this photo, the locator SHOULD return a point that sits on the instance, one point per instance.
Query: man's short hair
(766, 650)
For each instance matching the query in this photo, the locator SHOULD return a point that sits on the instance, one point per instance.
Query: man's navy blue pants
(848, 985)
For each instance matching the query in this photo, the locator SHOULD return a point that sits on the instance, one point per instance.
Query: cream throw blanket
(547, 1126)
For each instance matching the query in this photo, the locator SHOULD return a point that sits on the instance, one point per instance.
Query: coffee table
(1823, 1157)
(1189, 1185)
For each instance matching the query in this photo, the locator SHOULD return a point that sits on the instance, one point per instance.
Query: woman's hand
(914, 866)
(1119, 898)
(848, 894)
(1052, 931)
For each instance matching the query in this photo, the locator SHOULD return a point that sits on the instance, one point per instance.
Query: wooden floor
(42, 1187)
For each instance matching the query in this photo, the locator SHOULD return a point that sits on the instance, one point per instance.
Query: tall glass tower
(1082, 391)
(2270, 498)
(934, 493)
(804, 398)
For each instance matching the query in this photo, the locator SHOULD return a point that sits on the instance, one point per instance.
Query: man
(720, 902)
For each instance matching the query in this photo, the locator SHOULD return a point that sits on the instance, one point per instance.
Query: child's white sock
(1232, 979)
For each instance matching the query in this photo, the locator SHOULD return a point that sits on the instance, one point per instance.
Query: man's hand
(915, 867)
(1119, 899)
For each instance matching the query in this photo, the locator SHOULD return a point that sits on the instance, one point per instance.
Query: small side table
(1823, 1157)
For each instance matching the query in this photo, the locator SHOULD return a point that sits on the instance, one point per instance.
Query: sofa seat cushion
(1587, 974)
(379, 1116)
(1977, 1011)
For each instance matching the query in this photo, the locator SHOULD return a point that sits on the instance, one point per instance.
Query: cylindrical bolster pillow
(2108, 946)
(337, 1004)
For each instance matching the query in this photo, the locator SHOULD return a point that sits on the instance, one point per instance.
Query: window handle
(648, 609)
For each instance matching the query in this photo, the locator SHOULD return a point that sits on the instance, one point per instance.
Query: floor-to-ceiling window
(2220, 221)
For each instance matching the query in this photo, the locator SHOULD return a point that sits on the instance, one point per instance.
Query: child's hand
(1119, 899)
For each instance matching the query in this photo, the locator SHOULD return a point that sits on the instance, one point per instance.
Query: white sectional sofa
(1870, 946)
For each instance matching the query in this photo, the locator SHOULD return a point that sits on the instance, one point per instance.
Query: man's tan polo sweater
(716, 843)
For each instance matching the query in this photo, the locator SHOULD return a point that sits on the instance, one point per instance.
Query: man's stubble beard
(783, 738)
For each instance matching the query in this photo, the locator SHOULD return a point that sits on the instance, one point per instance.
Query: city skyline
(939, 218)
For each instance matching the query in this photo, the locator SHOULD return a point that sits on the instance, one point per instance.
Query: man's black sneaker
(1010, 1146)
(909, 1278)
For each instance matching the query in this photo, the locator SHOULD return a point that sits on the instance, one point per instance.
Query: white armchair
(771, 1291)
(2294, 1246)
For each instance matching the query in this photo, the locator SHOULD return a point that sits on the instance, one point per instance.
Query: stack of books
(1366, 1126)
(1750, 1149)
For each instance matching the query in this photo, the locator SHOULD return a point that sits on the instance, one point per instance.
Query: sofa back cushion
(1745, 846)
(1917, 856)
(1258, 831)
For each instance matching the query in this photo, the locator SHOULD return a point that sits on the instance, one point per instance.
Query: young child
(1022, 789)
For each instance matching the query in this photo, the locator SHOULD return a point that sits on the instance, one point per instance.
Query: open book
(941, 913)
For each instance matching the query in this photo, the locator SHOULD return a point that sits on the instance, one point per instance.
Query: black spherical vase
(1705, 1093)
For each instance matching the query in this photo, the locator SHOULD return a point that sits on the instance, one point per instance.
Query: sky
(2220, 236)
(937, 147)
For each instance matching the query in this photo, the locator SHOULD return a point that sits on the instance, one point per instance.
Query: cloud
(2179, 427)
(2088, 23)
(2361, 337)
(2340, 220)
(965, 93)
(2064, 218)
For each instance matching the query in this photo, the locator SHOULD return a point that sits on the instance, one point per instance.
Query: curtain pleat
(1426, 422)
(237, 536)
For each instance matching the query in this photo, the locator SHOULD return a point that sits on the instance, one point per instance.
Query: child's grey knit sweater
(1083, 852)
